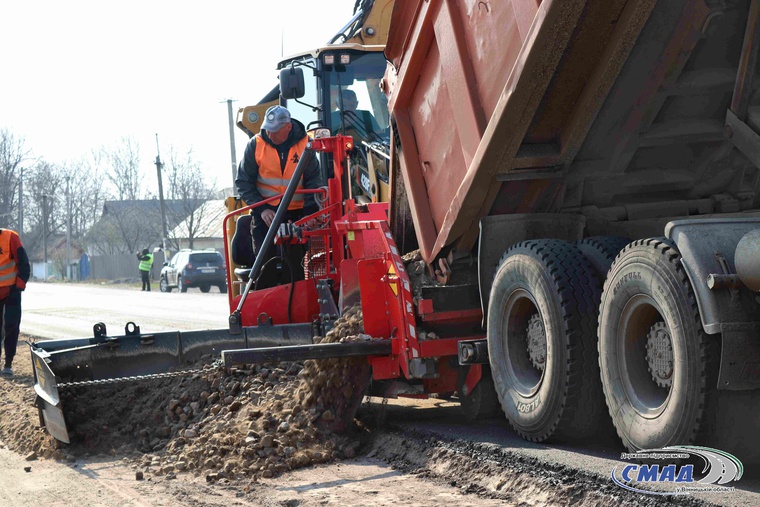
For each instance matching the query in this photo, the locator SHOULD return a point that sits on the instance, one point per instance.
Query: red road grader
(352, 259)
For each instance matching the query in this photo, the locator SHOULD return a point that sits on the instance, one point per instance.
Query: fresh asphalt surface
(57, 310)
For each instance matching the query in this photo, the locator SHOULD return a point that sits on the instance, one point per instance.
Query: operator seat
(243, 255)
(241, 248)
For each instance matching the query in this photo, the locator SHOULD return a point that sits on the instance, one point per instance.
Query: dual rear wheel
(559, 345)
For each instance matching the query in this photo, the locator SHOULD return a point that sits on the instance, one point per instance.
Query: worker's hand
(20, 284)
(267, 216)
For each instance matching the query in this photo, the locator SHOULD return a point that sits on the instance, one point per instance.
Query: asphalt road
(58, 310)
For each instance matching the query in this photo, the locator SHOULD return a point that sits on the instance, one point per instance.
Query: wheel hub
(660, 355)
(537, 342)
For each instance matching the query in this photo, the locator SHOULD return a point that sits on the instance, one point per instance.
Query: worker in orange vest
(269, 162)
(14, 273)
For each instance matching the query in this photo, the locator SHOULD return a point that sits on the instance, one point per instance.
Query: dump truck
(598, 161)
(579, 180)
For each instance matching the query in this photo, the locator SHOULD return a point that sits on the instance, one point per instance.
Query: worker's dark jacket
(248, 171)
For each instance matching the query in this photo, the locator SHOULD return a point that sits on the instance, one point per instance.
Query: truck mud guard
(708, 248)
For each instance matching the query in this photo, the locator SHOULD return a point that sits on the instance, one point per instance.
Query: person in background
(14, 273)
(269, 162)
(146, 262)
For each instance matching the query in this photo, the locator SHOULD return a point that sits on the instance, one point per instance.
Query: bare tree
(122, 167)
(87, 195)
(126, 227)
(189, 190)
(44, 179)
(12, 153)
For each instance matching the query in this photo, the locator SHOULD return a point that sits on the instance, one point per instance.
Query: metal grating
(315, 262)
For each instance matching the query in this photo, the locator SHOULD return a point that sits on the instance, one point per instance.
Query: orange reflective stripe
(8, 267)
(272, 180)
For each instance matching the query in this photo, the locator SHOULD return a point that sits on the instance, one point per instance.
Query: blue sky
(77, 75)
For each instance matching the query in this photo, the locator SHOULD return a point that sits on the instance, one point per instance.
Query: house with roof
(203, 228)
(131, 225)
(56, 258)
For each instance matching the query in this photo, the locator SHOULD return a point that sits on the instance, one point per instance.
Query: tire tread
(579, 293)
(708, 347)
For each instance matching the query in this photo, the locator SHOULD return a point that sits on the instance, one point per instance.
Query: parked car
(194, 268)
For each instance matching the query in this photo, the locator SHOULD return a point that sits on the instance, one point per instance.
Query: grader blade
(135, 356)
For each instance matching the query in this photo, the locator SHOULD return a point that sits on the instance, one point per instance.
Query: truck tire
(482, 402)
(181, 284)
(542, 341)
(659, 368)
(601, 251)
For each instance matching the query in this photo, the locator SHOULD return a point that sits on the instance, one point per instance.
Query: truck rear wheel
(658, 366)
(541, 341)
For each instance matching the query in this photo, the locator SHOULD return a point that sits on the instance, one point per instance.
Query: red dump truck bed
(615, 109)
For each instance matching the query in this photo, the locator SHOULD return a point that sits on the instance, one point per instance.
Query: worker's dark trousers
(145, 279)
(269, 277)
(10, 319)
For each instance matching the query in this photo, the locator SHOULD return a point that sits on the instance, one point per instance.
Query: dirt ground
(134, 466)
(111, 470)
(125, 460)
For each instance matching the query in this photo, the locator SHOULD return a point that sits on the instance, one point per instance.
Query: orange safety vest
(272, 180)
(8, 266)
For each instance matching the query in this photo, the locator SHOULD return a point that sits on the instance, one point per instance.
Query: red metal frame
(361, 255)
(428, 313)
(240, 211)
(275, 301)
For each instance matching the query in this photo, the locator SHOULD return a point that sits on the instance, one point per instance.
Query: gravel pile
(418, 273)
(256, 421)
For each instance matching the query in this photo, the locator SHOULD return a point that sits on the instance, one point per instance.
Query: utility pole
(232, 146)
(159, 166)
(68, 228)
(21, 204)
(44, 233)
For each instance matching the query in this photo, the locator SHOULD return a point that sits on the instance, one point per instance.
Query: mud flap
(47, 401)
